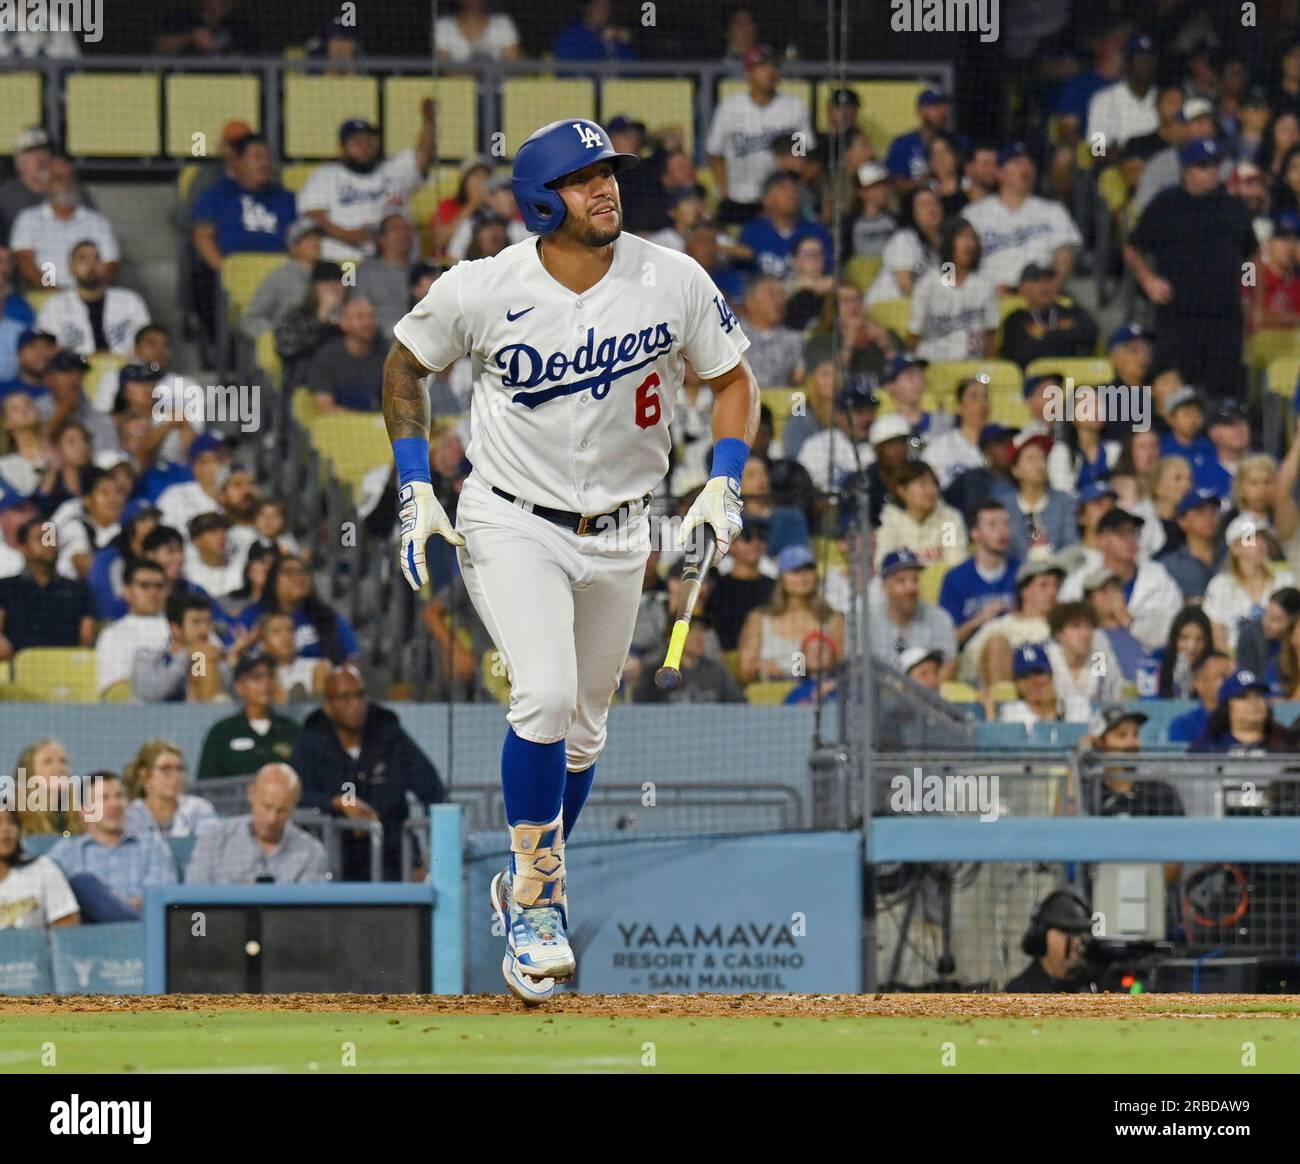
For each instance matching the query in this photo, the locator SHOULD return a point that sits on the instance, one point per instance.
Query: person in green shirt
(241, 744)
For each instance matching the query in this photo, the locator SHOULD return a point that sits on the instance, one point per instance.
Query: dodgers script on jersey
(576, 393)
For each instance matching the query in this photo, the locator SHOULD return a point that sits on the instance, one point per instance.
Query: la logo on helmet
(588, 136)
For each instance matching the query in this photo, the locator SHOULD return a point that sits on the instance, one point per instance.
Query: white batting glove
(422, 515)
(719, 506)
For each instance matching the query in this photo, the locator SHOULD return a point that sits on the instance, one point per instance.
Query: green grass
(297, 1041)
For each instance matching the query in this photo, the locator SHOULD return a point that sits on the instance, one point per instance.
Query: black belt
(581, 524)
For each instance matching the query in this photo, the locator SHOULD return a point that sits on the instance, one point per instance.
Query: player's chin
(604, 228)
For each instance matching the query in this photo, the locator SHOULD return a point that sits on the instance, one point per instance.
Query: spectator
(685, 209)
(108, 867)
(1261, 641)
(989, 653)
(1049, 325)
(593, 37)
(821, 668)
(348, 370)
(958, 450)
(1184, 413)
(1243, 723)
(359, 762)
(1242, 588)
(1253, 117)
(904, 380)
(85, 525)
(741, 34)
(287, 286)
(189, 667)
(1196, 125)
(1038, 700)
(1200, 556)
(320, 632)
(899, 620)
(42, 236)
(257, 566)
(257, 734)
(741, 134)
(1042, 518)
(1254, 489)
(1275, 299)
(15, 511)
(34, 351)
(34, 894)
(1057, 941)
(383, 279)
(208, 30)
(808, 289)
(210, 173)
(912, 250)
(51, 798)
(744, 587)
(30, 183)
(1196, 289)
(67, 402)
(786, 521)
(1127, 109)
(152, 424)
(872, 226)
(772, 236)
(891, 442)
(39, 608)
(703, 245)
(704, 680)
(263, 845)
(69, 468)
(775, 351)
(473, 33)
(1229, 433)
(209, 462)
(830, 455)
(16, 318)
(155, 785)
(907, 160)
(945, 176)
(922, 668)
(982, 587)
(992, 479)
(843, 107)
(1017, 228)
(1171, 482)
(142, 628)
(1132, 480)
(1084, 670)
(1115, 729)
(920, 522)
(1211, 671)
(208, 562)
(1104, 592)
(771, 634)
(300, 333)
(91, 316)
(297, 679)
(1083, 455)
(954, 307)
(350, 197)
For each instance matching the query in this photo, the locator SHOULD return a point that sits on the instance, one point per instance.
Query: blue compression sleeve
(412, 457)
(532, 779)
(729, 457)
(576, 787)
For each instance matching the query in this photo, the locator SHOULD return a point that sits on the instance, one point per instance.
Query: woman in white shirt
(24, 447)
(1082, 456)
(1132, 481)
(910, 251)
(474, 33)
(34, 893)
(954, 308)
(155, 782)
(1241, 590)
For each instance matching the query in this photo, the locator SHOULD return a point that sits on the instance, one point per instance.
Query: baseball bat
(698, 564)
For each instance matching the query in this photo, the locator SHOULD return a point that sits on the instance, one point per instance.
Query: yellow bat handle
(676, 642)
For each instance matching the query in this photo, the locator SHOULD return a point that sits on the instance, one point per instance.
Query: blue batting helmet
(553, 151)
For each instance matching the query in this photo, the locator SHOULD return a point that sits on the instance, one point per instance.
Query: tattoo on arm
(406, 402)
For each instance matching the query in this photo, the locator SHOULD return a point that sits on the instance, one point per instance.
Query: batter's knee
(543, 713)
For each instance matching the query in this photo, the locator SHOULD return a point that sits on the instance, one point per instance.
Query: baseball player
(583, 335)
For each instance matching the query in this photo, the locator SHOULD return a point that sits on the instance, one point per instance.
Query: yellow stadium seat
(424, 203)
(943, 376)
(1009, 303)
(114, 115)
(658, 102)
(861, 271)
(353, 443)
(185, 179)
(528, 103)
(6, 671)
(731, 660)
(119, 692)
(790, 86)
(931, 581)
(888, 108)
(827, 552)
(268, 359)
(456, 120)
(1265, 346)
(1090, 370)
(242, 274)
(303, 407)
(769, 692)
(200, 104)
(315, 107)
(1283, 372)
(704, 176)
(780, 401)
(58, 674)
(955, 692)
(893, 314)
(38, 298)
(1004, 692)
(104, 362)
(294, 176)
(20, 106)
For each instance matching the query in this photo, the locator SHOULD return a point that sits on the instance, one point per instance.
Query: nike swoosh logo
(512, 316)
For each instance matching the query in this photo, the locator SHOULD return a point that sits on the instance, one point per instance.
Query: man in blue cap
(1193, 563)
(1187, 252)
(1196, 122)
(908, 159)
(35, 350)
(904, 380)
(1091, 504)
(1049, 324)
(1031, 670)
(1243, 723)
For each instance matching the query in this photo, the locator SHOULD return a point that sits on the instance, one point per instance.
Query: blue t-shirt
(1197, 453)
(731, 283)
(1210, 474)
(580, 43)
(774, 252)
(305, 636)
(907, 156)
(159, 477)
(1183, 729)
(965, 593)
(9, 387)
(246, 220)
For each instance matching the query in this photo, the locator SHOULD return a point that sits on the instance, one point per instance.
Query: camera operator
(1057, 941)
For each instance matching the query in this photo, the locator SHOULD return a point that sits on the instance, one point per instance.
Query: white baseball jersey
(1012, 239)
(952, 320)
(66, 317)
(1118, 114)
(351, 200)
(572, 407)
(51, 238)
(742, 134)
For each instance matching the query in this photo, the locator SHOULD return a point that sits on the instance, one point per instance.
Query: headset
(1034, 943)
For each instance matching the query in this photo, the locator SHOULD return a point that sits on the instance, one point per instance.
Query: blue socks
(532, 780)
(576, 787)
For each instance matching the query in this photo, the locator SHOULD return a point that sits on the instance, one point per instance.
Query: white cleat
(540, 945)
(529, 990)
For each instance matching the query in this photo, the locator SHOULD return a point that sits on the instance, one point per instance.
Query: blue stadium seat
(181, 848)
(41, 843)
(1057, 735)
(1159, 712)
(1001, 735)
